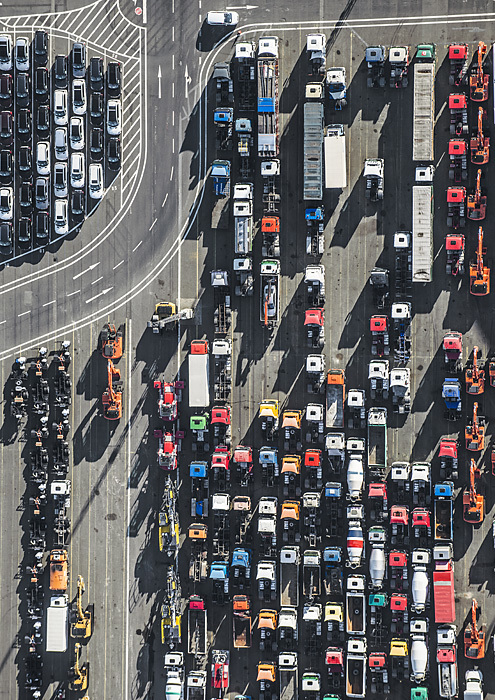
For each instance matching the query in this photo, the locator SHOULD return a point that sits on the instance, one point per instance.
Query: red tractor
(456, 207)
(458, 152)
(458, 106)
(458, 57)
(454, 245)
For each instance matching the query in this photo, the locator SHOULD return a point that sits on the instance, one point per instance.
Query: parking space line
(71, 294)
(118, 264)
(49, 303)
(137, 246)
(95, 281)
(131, 151)
(72, 20)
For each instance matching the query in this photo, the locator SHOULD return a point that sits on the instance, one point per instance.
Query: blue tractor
(451, 394)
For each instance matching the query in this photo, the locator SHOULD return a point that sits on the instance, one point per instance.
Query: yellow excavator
(82, 627)
(79, 674)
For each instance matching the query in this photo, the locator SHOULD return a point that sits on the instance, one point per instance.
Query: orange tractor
(473, 503)
(474, 433)
(478, 80)
(474, 638)
(112, 396)
(476, 202)
(474, 375)
(480, 142)
(479, 274)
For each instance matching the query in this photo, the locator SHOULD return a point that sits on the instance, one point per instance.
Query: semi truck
(220, 213)
(268, 96)
(57, 624)
(245, 75)
(443, 584)
(335, 157)
(289, 576)
(311, 573)
(197, 627)
(356, 668)
(335, 397)
(199, 373)
(377, 440)
(424, 103)
(241, 614)
(196, 685)
(422, 233)
(174, 676)
(287, 669)
(313, 151)
(243, 218)
(443, 494)
(270, 293)
(355, 603)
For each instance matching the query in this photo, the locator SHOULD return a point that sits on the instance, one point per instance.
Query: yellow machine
(79, 674)
(82, 627)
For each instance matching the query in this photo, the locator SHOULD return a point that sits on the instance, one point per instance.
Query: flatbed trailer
(377, 440)
(197, 627)
(289, 576)
(268, 96)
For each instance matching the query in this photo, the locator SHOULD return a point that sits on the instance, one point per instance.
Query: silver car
(60, 188)
(22, 53)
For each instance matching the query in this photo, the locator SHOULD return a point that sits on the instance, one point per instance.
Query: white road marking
(105, 291)
(71, 294)
(154, 222)
(50, 302)
(118, 264)
(172, 173)
(137, 246)
(24, 313)
(2, 322)
(95, 281)
(88, 269)
(159, 82)
(165, 200)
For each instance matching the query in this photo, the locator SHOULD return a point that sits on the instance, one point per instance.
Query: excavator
(480, 142)
(111, 342)
(476, 202)
(82, 626)
(112, 396)
(478, 80)
(479, 274)
(474, 375)
(474, 638)
(79, 674)
(473, 503)
(474, 433)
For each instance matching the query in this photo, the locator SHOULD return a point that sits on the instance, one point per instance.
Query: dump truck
(197, 627)
(335, 157)
(335, 397)
(443, 584)
(287, 628)
(377, 440)
(241, 613)
(448, 686)
(289, 576)
(443, 495)
(311, 573)
(199, 374)
(174, 676)
(288, 677)
(313, 151)
(356, 668)
(196, 685)
(266, 577)
(424, 103)
(57, 624)
(270, 293)
(268, 96)
(355, 604)
(422, 233)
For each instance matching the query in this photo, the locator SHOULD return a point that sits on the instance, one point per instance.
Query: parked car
(41, 47)
(41, 193)
(42, 226)
(77, 170)
(5, 238)
(6, 89)
(25, 196)
(43, 158)
(41, 84)
(61, 221)
(60, 72)
(61, 148)
(25, 232)
(114, 79)
(114, 125)
(43, 119)
(5, 52)
(22, 53)
(22, 88)
(60, 188)
(96, 73)
(6, 203)
(113, 153)
(6, 165)
(96, 107)
(76, 133)
(79, 97)
(24, 123)
(60, 114)
(96, 145)
(222, 18)
(79, 60)
(25, 161)
(95, 181)
(6, 128)
(77, 203)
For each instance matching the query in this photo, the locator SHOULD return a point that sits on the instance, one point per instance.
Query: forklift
(478, 80)
(112, 346)
(79, 674)
(474, 375)
(475, 432)
(112, 396)
(82, 626)
(476, 202)
(479, 274)
(473, 503)
(474, 638)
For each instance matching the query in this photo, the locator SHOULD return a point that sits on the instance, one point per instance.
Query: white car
(79, 97)
(60, 217)
(223, 18)
(76, 133)
(114, 120)
(61, 148)
(60, 115)
(77, 170)
(5, 52)
(43, 158)
(22, 53)
(6, 204)
(95, 181)
(60, 188)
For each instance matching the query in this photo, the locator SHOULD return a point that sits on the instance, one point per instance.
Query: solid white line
(173, 89)
(173, 33)
(2, 322)
(128, 504)
(154, 222)
(145, 12)
(50, 302)
(24, 313)
(172, 173)
(165, 200)
(71, 294)
(95, 281)
(136, 247)
(118, 264)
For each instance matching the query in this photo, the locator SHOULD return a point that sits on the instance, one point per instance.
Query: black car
(6, 128)
(22, 88)
(25, 160)
(40, 45)
(6, 166)
(113, 153)
(26, 196)
(24, 232)
(114, 79)
(96, 108)
(77, 203)
(96, 73)
(79, 60)
(96, 144)
(5, 238)
(41, 226)
(24, 123)
(41, 84)
(6, 88)
(43, 119)
(60, 72)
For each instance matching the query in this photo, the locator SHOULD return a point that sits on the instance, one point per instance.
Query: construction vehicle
(223, 120)
(220, 174)
(290, 516)
(169, 394)
(289, 576)
(224, 87)
(334, 619)
(421, 484)
(240, 569)
(401, 319)
(314, 279)
(378, 502)
(199, 382)
(241, 505)
(243, 275)
(399, 613)
(379, 280)
(220, 507)
(245, 75)
(267, 524)
(424, 102)
(403, 266)
(474, 375)
(377, 663)
(333, 573)
(397, 568)
(454, 246)
(59, 570)
(221, 350)
(335, 157)
(473, 503)
(167, 317)
(112, 342)
(449, 462)
(171, 622)
(267, 625)
(480, 141)
(266, 579)
(443, 494)
(82, 625)
(291, 475)
(335, 449)
(243, 219)
(34, 673)
(220, 281)
(337, 87)
(475, 432)
(41, 397)
(174, 675)
(168, 448)
(479, 273)
(313, 146)
(315, 226)
(244, 134)
(270, 174)
(219, 575)
(356, 409)
(220, 425)
(313, 469)
(479, 80)
(458, 57)
(422, 233)
(270, 298)
(334, 661)
(312, 614)
(311, 574)
(267, 678)
(452, 348)
(314, 323)
(399, 525)
(375, 57)
(451, 394)
(316, 51)
(378, 374)
(377, 563)
(197, 626)
(377, 441)
(57, 618)
(421, 526)
(312, 518)
(373, 174)
(355, 469)
(400, 385)
(241, 621)
(112, 396)
(380, 341)
(419, 650)
(315, 373)
(288, 677)
(356, 668)
(456, 207)
(270, 231)
(355, 604)
(476, 202)
(199, 426)
(333, 495)
(19, 397)
(398, 57)
(458, 106)
(474, 685)
(269, 414)
(420, 583)
(268, 459)
(268, 96)
(220, 674)
(243, 458)
(314, 422)
(399, 659)
(196, 685)
(288, 633)
(379, 631)
(291, 426)
(335, 397)
(448, 686)
(198, 569)
(78, 674)
(458, 151)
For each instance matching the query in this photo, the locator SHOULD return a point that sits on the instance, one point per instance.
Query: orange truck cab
(59, 577)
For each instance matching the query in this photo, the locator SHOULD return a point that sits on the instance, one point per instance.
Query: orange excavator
(111, 342)
(476, 202)
(478, 80)
(112, 396)
(474, 433)
(479, 274)
(474, 375)
(480, 142)
(474, 638)
(473, 503)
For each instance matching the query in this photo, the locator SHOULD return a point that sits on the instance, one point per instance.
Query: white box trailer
(335, 157)
(422, 233)
(423, 111)
(57, 624)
